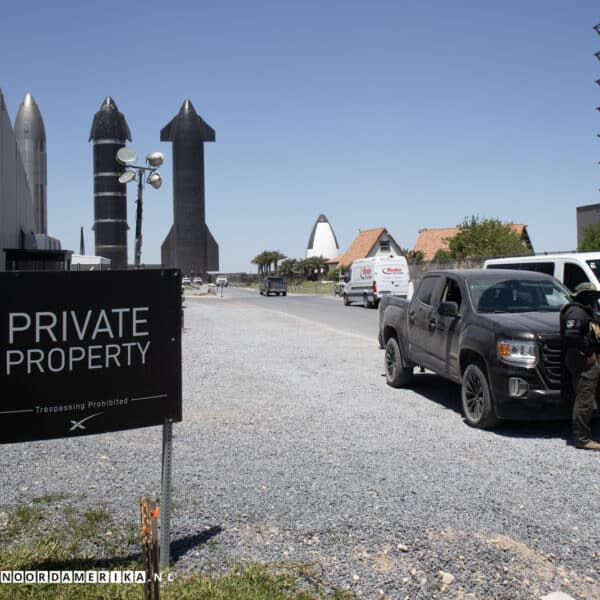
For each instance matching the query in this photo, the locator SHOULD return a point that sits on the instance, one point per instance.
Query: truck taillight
(374, 286)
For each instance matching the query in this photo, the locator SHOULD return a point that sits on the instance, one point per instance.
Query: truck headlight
(518, 352)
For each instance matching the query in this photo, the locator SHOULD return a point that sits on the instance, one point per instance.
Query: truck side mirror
(448, 309)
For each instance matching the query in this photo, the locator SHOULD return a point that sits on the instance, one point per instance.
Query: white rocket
(322, 240)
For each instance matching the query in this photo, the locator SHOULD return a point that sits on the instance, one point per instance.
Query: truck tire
(477, 405)
(396, 374)
(346, 301)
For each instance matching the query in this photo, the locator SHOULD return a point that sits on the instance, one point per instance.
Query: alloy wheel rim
(390, 360)
(474, 396)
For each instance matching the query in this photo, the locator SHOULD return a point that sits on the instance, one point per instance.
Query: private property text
(93, 339)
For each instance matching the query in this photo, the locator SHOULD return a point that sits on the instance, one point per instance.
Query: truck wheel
(285, 293)
(476, 398)
(396, 374)
(346, 301)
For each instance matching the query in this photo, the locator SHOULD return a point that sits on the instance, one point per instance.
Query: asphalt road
(326, 310)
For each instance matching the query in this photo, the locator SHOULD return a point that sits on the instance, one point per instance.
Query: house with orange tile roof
(370, 242)
(430, 241)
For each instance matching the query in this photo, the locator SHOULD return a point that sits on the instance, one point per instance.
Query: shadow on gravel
(183, 545)
(178, 548)
(447, 394)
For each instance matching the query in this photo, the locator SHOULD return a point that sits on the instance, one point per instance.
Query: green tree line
(307, 269)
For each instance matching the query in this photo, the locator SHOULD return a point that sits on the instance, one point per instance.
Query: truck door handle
(411, 315)
(432, 323)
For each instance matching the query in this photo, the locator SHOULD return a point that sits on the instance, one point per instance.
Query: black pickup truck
(495, 332)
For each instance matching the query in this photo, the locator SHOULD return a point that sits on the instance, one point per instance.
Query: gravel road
(293, 448)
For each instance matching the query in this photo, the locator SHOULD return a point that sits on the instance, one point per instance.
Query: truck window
(573, 275)
(426, 289)
(594, 265)
(451, 292)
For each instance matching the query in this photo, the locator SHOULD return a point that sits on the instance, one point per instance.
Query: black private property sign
(88, 352)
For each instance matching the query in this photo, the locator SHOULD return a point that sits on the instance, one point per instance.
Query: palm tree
(289, 268)
(263, 261)
(276, 256)
(312, 264)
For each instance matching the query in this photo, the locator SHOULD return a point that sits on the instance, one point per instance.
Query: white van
(371, 278)
(569, 268)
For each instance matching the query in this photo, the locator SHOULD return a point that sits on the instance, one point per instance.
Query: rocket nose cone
(322, 219)
(29, 105)
(109, 123)
(187, 109)
(28, 101)
(108, 104)
(29, 122)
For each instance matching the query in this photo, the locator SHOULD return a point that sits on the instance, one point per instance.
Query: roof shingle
(360, 247)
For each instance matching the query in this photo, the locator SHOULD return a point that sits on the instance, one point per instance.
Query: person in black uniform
(581, 350)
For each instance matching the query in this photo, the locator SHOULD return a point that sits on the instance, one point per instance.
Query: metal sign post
(165, 497)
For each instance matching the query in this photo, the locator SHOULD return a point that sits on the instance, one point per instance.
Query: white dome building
(322, 240)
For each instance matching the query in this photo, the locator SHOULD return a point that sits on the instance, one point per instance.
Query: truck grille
(551, 360)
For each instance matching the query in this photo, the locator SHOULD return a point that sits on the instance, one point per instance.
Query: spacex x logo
(79, 424)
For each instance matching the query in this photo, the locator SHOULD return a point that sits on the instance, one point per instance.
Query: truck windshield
(517, 295)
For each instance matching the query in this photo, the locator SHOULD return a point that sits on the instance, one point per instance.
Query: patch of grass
(50, 498)
(24, 518)
(75, 539)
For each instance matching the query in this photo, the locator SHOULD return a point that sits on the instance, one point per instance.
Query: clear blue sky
(403, 114)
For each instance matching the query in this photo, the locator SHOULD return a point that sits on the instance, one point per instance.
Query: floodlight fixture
(154, 179)
(126, 156)
(155, 159)
(127, 176)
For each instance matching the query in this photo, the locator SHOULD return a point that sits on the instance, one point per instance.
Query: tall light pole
(150, 175)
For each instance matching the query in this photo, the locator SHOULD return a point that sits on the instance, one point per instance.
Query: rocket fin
(165, 132)
(166, 250)
(212, 252)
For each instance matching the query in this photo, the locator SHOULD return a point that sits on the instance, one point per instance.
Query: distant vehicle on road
(221, 281)
(186, 280)
(370, 279)
(197, 280)
(273, 285)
